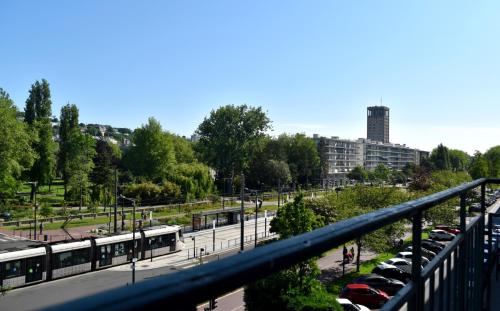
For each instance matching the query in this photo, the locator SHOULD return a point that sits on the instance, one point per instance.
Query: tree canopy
(16, 155)
(228, 135)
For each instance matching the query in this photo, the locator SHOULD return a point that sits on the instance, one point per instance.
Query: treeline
(159, 166)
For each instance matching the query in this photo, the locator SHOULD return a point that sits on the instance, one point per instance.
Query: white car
(408, 256)
(349, 306)
(438, 234)
(401, 263)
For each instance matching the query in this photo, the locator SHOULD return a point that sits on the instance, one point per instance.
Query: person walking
(41, 227)
(344, 252)
(352, 253)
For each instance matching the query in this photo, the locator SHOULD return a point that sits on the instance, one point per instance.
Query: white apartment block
(343, 155)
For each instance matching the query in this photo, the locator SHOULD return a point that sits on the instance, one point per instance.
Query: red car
(364, 295)
(448, 229)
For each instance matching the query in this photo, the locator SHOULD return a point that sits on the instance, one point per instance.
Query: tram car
(23, 267)
(50, 262)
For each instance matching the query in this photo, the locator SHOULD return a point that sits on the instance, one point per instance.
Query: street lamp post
(194, 246)
(134, 259)
(265, 223)
(242, 213)
(256, 211)
(213, 240)
(34, 184)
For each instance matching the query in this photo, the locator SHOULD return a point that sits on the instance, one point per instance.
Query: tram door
(171, 237)
(34, 269)
(105, 255)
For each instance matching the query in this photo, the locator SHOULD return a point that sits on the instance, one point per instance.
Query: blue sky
(314, 66)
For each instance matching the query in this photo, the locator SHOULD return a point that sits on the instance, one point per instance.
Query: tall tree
(76, 152)
(16, 155)
(38, 104)
(152, 154)
(492, 155)
(103, 173)
(358, 173)
(459, 160)
(37, 114)
(228, 135)
(478, 166)
(440, 158)
(303, 159)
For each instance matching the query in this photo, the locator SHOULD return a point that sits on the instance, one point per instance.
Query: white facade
(343, 155)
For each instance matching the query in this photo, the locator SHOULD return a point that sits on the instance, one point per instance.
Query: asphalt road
(59, 291)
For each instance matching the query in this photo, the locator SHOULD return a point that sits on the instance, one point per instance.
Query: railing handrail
(198, 284)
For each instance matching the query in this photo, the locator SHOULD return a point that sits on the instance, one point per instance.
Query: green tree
(39, 103)
(228, 135)
(79, 167)
(296, 288)
(183, 148)
(303, 159)
(459, 160)
(69, 132)
(478, 167)
(492, 155)
(358, 173)
(440, 158)
(152, 154)
(76, 152)
(382, 172)
(16, 155)
(37, 115)
(103, 173)
(323, 157)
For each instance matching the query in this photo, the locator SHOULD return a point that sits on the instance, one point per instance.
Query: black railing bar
(222, 276)
(401, 297)
(442, 256)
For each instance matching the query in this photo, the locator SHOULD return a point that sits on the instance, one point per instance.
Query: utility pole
(116, 199)
(33, 190)
(242, 212)
(256, 211)
(213, 240)
(279, 191)
(134, 258)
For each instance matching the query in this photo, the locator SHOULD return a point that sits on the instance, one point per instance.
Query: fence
(457, 286)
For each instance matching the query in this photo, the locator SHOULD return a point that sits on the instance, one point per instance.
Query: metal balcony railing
(452, 281)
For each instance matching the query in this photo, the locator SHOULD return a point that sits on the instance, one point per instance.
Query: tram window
(65, 259)
(12, 269)
(71, 258)
(120, 249)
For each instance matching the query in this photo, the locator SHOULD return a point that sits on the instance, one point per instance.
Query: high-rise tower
(378, 123)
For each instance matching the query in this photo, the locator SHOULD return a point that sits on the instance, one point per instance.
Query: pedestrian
(344, 252)
(41, 227)
(352, 253)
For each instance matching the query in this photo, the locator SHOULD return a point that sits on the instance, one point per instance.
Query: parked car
(432, 245)
(390, 286)
(409, 255)
(425, 252)
(392, 272)
(6, 216)
(448, 229)
(401, 263)
(364, 295)
(438, 234)
(475, 207)
(347, 305)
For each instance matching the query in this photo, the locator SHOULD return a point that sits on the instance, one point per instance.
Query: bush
(143, 191)
(46, 210)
